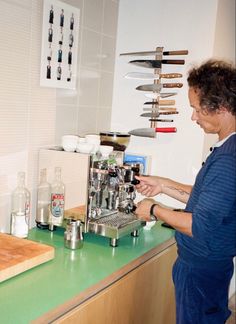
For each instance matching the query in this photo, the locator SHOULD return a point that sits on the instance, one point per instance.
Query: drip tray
(115, 225)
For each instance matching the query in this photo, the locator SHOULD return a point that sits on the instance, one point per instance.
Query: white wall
(175, 25)
(206, 29)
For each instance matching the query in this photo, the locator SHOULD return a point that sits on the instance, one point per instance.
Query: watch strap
(152, 216)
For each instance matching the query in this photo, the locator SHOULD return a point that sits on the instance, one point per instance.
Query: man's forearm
(176, 190)
(181, 221)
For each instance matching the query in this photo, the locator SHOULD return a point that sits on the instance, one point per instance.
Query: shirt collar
(218, 144)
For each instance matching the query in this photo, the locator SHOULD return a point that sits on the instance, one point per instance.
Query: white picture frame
(59, 51)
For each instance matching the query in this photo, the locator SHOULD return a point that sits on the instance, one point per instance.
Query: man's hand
(143, 209)
(149, 186)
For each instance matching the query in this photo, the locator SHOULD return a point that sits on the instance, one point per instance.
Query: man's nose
(194, 116)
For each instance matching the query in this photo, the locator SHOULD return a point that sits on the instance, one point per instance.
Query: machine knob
(135, 182)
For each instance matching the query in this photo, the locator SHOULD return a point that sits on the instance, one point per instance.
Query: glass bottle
(57, 201)
(43, 200)
(20, 211)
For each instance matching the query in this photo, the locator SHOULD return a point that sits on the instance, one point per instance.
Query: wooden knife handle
(172, 85)
(166, 130)
(181, 52)
(177, 62)
(170, 75)
(166, 102)
(160, 102)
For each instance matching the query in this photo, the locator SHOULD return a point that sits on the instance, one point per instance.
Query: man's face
(209, 122)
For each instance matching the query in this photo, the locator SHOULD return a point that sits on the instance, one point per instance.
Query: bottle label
(57, 204)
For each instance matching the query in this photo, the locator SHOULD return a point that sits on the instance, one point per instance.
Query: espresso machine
(99, 192)
(111, 195)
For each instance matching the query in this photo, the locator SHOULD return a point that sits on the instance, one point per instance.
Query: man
(206, 230)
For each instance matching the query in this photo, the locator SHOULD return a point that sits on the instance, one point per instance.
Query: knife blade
(155, 63)
(151, 132)
(157, 87)
(152, 76)
(180, 52)
(158, 113)
(155, 119)
(160, 95)
(159, 108)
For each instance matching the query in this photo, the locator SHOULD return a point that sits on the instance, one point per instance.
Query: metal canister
(73, 236)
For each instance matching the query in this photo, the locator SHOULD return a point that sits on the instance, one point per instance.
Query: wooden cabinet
(145, 295)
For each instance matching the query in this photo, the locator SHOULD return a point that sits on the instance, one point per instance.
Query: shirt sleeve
(216, 198)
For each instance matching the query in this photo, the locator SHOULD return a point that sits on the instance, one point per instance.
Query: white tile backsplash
(110, 18)
(91, 48)
(108, 53)
(32, 116)
(87, 120)
(66, 117)
(106, 86)
(93, 15)
(103, 119)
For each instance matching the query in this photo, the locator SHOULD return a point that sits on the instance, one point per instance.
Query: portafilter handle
(135, 182)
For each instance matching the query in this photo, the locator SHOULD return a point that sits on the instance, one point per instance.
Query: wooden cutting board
(18, 255)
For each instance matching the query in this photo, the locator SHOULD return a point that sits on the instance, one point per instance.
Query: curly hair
(215, 82)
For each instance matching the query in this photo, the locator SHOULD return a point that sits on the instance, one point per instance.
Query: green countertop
(43, 288)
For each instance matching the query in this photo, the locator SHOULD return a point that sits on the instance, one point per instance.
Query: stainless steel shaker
(73, 236)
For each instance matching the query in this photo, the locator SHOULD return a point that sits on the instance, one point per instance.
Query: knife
(151, 132)
(160, 95)
(159, 108)
(157, 113)
(152, 76)
(157, 87)
(154, 118)
(160, 102)
(156, 63)
(180, 52)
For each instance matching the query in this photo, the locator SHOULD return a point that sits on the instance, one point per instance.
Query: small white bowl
(105, 150)
(69, 147)
(81, 140)
(84, 147)
(69, 142)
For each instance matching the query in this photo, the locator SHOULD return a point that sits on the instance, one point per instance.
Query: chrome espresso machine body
(111, 195)
(99, 192)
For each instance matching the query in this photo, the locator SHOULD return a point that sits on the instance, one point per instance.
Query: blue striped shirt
(213, 206)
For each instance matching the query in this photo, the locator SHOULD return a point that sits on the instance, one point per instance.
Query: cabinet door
(143, 296)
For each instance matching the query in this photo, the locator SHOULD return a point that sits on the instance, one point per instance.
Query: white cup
(69, 142)
(92, 138)
(84, 147)
(105, 150)
(81, 140)
(95, 140)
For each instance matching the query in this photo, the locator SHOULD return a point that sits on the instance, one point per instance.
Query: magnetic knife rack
(159, 107)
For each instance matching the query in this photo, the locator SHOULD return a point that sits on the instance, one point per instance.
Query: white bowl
(105, 150)
(84, 147)
(69, 147)
(81, 140)
(92, 138)
(69, 142)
